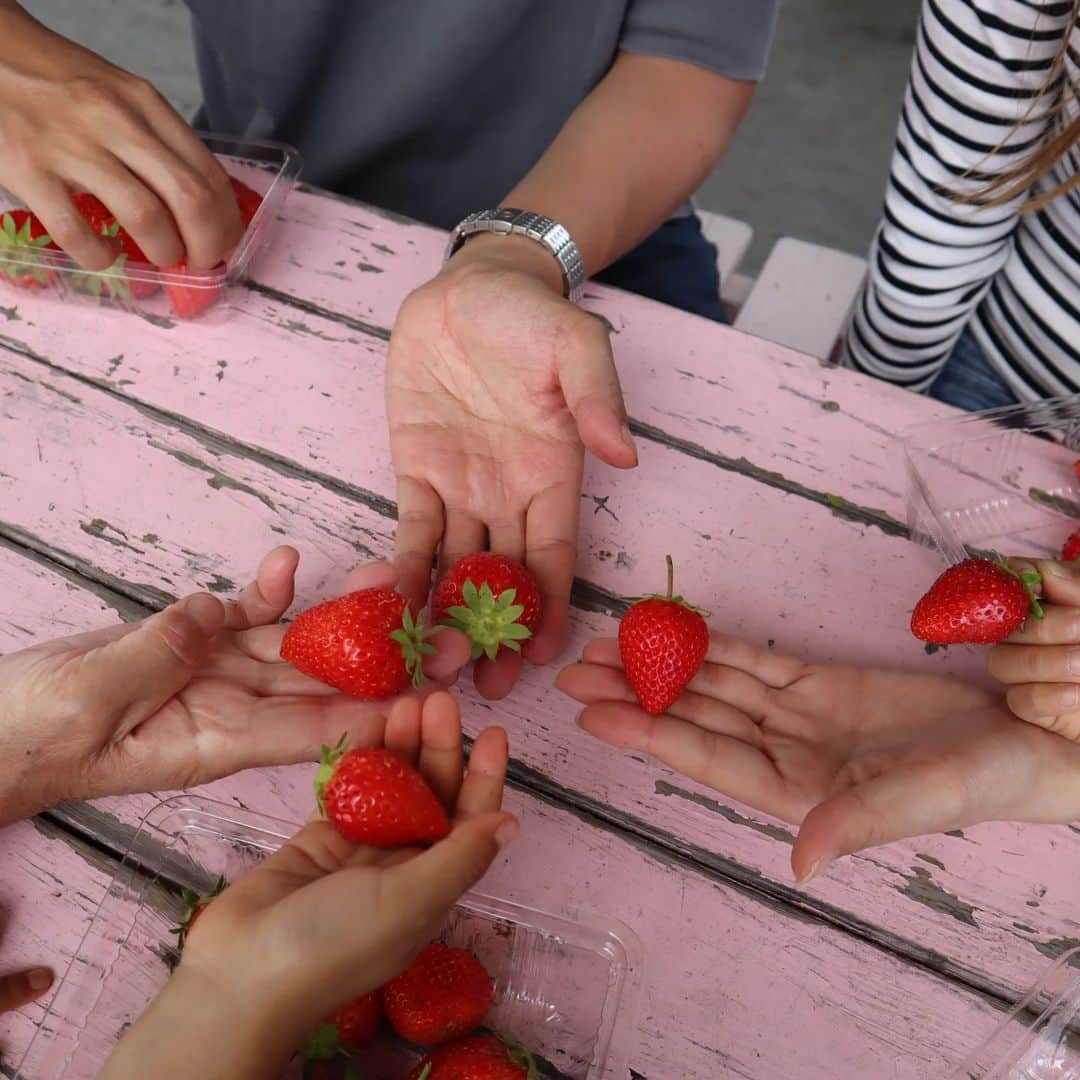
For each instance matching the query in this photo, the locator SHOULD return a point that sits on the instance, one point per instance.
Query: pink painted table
(139, 461)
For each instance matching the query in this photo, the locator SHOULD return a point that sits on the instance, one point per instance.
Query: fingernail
(206, 611)
(814, 870)
(1060, 569)
(39, 978)
(507, 833)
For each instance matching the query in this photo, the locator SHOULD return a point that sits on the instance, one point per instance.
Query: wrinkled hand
(495, 383)
(1040, 663)
(193, 693)
(858, 757)
(70, 120)
(323, 920)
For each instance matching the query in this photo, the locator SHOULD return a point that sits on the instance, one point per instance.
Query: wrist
(511, 253)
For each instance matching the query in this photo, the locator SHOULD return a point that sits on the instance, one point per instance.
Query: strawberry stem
(670, 577)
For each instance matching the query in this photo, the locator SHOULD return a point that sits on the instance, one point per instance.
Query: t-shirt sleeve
(730, 37)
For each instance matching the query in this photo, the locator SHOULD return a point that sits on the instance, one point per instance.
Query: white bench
(803, 297)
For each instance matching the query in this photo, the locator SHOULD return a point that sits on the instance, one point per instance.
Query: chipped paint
(922, 888)
(773, 832)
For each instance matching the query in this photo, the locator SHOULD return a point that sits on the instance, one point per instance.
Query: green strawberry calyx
(194, 903)
(521, 1057)
(19, 248)
(670, 596)
(1032, 582)
(110, 282)
(329, 757)
(489, 621)
(412, 637)
(351, 1070)
(321, 1044)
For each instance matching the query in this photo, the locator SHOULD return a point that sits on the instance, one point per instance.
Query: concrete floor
(809, 162)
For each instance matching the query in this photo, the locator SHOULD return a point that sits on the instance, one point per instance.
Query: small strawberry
(353, 1026)
(195, 906)
(94, 211)
(375, 797)
(365, 644)
(976, 602)
(189, 298)
(443, 994)
(662, 642)
(22, 236)
(493, 599)
(1071, 551)
(478, 1057)
(247, 199)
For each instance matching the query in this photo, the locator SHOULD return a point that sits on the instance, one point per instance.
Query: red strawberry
(190, 298)
(247, 199)
(22, 236)
(662, 642)
(1076, 469)
(443, 994)
(375, 797)
(1071, 551)
(196, 905)
(94, 211)
(976, 602)
(351, 1027)
(366, 644)
(493, 599)
(478, 1057)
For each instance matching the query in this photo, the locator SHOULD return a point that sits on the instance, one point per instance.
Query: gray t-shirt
(436, 108)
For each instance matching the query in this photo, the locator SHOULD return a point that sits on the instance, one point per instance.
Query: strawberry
(189, 298)
(1076, 469)
(338, 1068)
(976, 602)
(196, 905)
(21, 237)
(493, 599)
(366, 644)
(94, 212)
(442, 995)
(1071, 551)
(353, 1026)
(375, 797)
(247, 199)
(478, 1057)
(662, 642)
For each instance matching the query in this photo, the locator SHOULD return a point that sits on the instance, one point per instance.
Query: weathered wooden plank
(951, 901)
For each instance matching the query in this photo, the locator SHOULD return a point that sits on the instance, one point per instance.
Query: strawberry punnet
(976, 602)
(492, 599)
(443, 994)
(662, 641)
(366, 644)
(22, 237)
(478, 1057)
(375, 797)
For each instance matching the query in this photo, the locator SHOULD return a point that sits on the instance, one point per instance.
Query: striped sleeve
(970, 113)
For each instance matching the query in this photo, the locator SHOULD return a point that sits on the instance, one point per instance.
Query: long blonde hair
(1024, 176)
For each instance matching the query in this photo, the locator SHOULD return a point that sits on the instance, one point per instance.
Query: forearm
(634, 150)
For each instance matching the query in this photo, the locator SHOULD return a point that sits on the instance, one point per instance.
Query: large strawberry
(365, 644)
(662, 642)
(492, 598)
(976, 602)
(478, 1057)
(195, 905)
(22, 237)
(353, 1026)
(1071, 551)
(443, 994)
(375, 797)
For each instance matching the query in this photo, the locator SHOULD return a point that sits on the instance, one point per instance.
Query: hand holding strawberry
(323, 921)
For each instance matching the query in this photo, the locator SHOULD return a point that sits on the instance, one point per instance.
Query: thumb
(23, 987)
(590, 385)
(913, 801)
(129, 679)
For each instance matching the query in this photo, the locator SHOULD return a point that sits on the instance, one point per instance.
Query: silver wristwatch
(551, 234)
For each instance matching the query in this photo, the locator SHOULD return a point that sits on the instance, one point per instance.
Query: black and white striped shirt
(936, 265)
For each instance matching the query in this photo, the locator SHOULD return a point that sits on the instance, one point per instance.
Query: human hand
(495, 384)
(193, 693)
(323, 921)
(1040, 663)
(858, 757)
(70, 120)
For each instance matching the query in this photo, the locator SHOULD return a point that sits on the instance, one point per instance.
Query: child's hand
(1040, 663)
(322, 921)
(195, 692)
(858, 757)
(22, 987)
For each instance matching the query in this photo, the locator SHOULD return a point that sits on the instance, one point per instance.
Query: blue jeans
(968, 381)
(676, 265)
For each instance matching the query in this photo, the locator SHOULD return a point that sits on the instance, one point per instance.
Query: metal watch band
(543, 230)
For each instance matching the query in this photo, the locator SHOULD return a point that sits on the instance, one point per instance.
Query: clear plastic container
(1002, 480)
(1040, 1038)
(566, 986)
(270, 168)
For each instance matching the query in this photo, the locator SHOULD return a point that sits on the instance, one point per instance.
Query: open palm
(494, 386)
(858, 757)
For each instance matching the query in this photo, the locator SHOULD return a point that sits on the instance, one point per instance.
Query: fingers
(1054, 706)
(494, 679)
(1034, 663)
(67, 227)
(268, 597)
(1060, 580)
(1060, 626)
(590, 385)
(428, 735)
(464, 536)
(23, 987)
(482, 791)
(551, 533)
(372, 575)
(508, 537)
(419, 532)
(129, 679)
